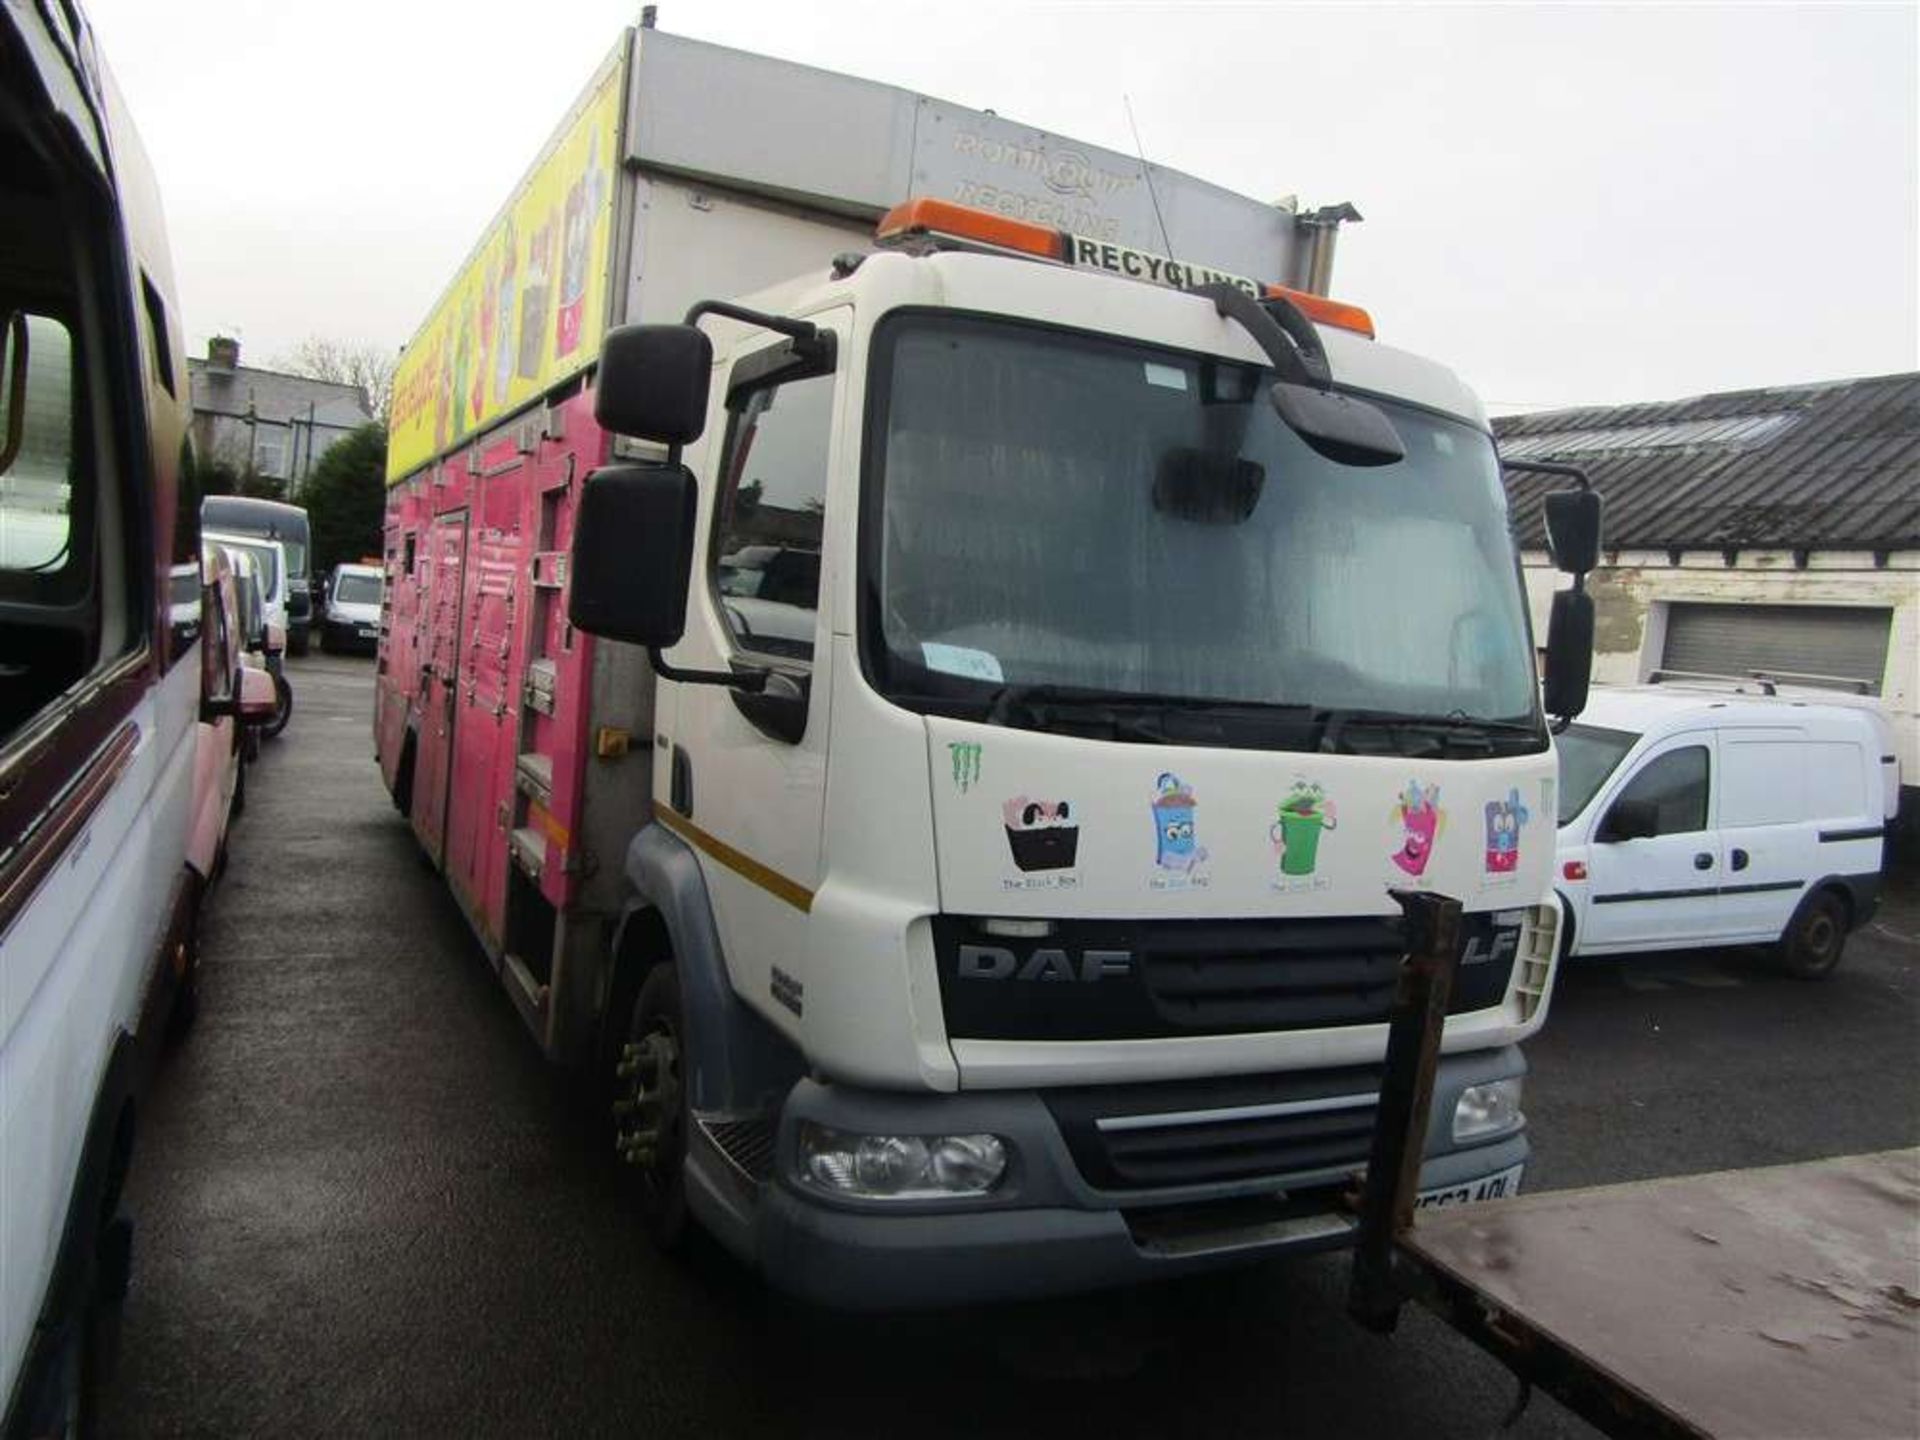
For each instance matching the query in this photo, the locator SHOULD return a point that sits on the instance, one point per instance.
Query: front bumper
(1047, 1229)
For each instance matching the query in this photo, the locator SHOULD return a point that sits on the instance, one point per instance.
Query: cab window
(1674, 785)
(772, 502)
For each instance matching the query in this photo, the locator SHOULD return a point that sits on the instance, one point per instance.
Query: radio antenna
(1147, 171)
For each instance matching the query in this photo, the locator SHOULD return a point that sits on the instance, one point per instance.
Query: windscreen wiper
(1163, 719)
(1456, 728)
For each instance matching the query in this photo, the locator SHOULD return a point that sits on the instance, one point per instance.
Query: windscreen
(1064, 510)
(1588, 755)
(358, 590)
(264, 556)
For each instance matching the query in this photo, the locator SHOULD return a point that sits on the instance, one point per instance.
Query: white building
(267, 422)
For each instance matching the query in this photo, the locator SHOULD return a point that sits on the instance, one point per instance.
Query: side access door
(1776, 783)
(1662, 890)
(439, 680)
(486, 704)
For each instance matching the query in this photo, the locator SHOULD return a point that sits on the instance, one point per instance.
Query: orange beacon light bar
(936, 220)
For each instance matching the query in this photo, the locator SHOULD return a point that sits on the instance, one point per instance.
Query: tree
(345, 363)
(346, 498)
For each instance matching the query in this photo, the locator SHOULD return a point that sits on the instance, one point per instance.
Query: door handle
(1703, 861)
(1740, 858)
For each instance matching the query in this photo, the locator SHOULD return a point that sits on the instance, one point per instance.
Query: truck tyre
(1810, 946)
(650, 1107)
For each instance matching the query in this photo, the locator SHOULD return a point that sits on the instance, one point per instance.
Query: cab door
(749, 794)
(1658, 891)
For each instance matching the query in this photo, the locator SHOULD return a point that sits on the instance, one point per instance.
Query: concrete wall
(1632, 593)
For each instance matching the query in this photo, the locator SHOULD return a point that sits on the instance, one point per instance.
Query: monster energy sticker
(1177, 851)
(1295, 836)
(966, 765)
(1044, 839)
(1418, 821)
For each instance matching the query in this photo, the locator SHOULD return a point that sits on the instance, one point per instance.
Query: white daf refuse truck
(936, 693)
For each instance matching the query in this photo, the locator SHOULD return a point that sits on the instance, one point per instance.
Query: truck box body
(893, 911)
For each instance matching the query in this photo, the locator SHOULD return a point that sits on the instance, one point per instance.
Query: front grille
(1291, 977)
(1141, 979)
(747, 1144)
(1312, 1129)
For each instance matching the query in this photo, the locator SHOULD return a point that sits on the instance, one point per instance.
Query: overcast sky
(1570, 205)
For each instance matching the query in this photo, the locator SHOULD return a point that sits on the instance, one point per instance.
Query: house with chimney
(266, 422)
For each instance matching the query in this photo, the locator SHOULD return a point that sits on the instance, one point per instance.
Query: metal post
(1432, 932)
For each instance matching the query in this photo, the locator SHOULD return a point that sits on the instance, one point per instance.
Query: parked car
(1690, 817)
(352, 609)
(270, 560)
(265, 637)
(236, 692)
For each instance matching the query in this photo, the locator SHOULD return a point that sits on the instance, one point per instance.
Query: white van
(1693, 817)
(270, 559)
(352, 614)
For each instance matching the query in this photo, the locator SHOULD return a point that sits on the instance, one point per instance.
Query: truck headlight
(1488, 1109)
(900, 1167)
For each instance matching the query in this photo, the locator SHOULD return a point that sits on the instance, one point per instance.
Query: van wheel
(1811, 946)
(650, 1107)
(282, 707)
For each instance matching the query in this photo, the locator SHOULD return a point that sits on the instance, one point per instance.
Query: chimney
(223, 353)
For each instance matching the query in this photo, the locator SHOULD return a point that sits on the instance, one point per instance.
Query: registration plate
(367, 632)
(1489, 1187)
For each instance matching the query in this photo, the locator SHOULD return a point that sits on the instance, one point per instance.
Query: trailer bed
(1773, 1302)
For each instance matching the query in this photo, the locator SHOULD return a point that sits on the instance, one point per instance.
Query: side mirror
(1573, 529)
(257, 697)
(1630, 820)
(653, 382)
(633, 553)
(1569, 669)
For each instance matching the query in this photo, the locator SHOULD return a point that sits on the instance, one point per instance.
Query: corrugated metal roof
(1827, 466)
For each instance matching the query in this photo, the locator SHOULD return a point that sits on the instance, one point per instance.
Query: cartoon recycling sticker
(1041, 834)
(1420, 819)
(1505, 818)
(1296, 832)
(1177, 851)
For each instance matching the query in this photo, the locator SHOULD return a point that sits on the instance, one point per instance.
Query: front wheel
(282, 707)
(650, 1107)
(1810, 948)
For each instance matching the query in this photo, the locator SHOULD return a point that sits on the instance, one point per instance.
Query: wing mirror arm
(1344, 428)
(751, 680)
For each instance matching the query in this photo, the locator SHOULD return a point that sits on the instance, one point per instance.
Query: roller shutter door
(1844, 641)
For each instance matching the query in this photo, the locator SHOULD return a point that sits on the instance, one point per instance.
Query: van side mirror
(1569, 666)
(633, 552)
(653, 382)
(1573, 529)
(1630, 819)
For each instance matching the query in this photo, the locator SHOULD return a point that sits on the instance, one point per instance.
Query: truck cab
(1024, 920)
(935, 704)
